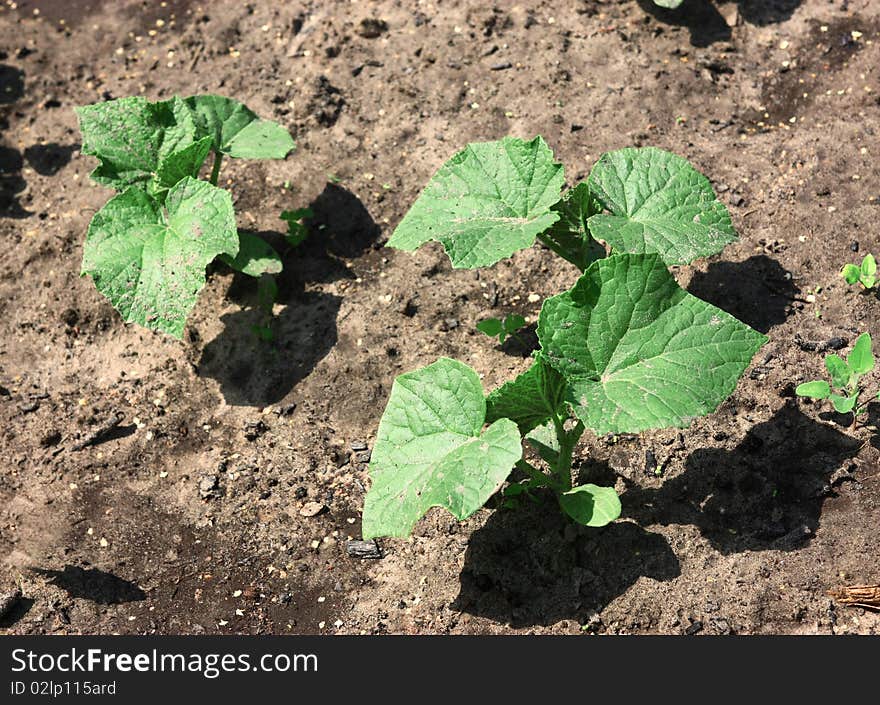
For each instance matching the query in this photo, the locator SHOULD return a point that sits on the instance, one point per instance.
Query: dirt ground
(190, 517)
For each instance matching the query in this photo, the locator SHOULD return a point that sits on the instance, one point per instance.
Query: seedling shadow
(523, 344)
(765, 494)
(253, 372)
(11, 162)
(11, 84)
(531, 566)
(707, 25)
(94, 584)
(732, 285)
(21, 607)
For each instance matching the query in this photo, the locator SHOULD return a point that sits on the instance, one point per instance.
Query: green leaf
(485, 203)
(569, 236)
(255, 256)
(842, 404)
(237, 131)
(431, 451)
(132, 138)
(869, 267)
(491, 327)
(150, 260)
(838, 369)
(531, 399)
(851, 273)
(296, 231)
(514, 322)
(860, 358)
(817, 389)
(591, 505)
(658, 203)
(637, 351)
(669, 4)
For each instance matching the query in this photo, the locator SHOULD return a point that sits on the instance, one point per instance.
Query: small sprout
(846, 378)
(495, 328)
(296, 231)
(866, 274)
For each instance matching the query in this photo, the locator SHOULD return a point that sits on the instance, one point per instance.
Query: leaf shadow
(48, 159)
(11, 84)
(706, 23)
(532, 566)
(256, 373)
(93, 584)
(764, 494)
(731, 286)
(523, 344)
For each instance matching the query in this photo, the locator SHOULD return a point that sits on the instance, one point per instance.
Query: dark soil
(190, 515)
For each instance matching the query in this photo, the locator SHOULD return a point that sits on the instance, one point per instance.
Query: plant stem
(215, 170)
(567, 441)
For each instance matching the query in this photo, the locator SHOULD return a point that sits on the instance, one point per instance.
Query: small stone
(695, 628)
(208, 486)
(255, 429)
(371, 28)
(311, 509)
(357, 445)
(854, 246)
(363, 549)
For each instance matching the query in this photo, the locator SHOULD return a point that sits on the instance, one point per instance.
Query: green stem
(567, 441)
(215, 170)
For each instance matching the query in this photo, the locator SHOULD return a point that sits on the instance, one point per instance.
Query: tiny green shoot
(845, 390)
(496, 328)
(864, 274)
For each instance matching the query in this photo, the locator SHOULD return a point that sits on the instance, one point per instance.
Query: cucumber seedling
(845, 390)
(496, 328)
(864, 274)
(147, 248)
(624, 350)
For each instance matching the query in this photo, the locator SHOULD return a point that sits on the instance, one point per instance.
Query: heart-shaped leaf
(591, 505)
(485, 203)
(657, 202)
(860, 358)
(150, 260)
(255, 256)
(639, 352)
(431, 450)
(817, 389)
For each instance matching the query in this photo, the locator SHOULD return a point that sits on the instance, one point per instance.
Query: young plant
(147, 248)
(624, 350)
(496, 328)
(846, 376)
(866, 274)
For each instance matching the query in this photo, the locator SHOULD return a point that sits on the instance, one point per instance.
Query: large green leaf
(531, 399)
(150, 260)
(140, 142)
(570, 236)
(488, 201)
(637, 351)
(237, 131)
(431, 450)
(657, 202)
(591, 505)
